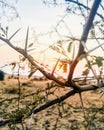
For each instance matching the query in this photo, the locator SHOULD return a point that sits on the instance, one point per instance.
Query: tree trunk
(84, 36)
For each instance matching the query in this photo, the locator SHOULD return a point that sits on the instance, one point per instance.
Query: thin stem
(19, 86)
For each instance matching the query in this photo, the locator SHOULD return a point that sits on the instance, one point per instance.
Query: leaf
(30, 45)
(23, 59)
(92, 33)
(55, 48)
(6, 28)
(59, 43)
(3, 30)
(99, 61)
(60, 66)
(85, 72)
(65, 65)
(59, 49)
(69, 47)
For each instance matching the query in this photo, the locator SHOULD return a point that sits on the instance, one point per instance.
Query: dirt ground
(25, 94)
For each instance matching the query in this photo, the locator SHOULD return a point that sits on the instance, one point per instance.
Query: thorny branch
(69, 83)
(64, 97)
(84, 36)
(41, 69)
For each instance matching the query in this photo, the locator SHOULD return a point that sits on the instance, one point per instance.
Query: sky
(41, 19)
(37, 15)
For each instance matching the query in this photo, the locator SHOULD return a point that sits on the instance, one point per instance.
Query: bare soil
(25, 94)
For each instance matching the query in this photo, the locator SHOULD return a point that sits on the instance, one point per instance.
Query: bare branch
(65, 96)
(81, 10)
(102, 6)
(100, 45)
(41, 69)
(82, 5)
(55, 101)
(84, 37)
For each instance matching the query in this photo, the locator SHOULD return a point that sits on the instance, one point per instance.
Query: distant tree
(2, 75)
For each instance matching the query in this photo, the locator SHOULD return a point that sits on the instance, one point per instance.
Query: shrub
(1, 75)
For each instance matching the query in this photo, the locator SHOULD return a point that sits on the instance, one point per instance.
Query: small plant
(1, 75)
(18, 115)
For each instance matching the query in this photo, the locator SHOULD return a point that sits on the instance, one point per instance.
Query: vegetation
(16, 109)
(70, 57)
(1, 75)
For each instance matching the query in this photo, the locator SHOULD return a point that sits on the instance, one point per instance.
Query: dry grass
(65, 116)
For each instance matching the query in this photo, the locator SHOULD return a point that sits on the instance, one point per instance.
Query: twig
(82, 5)
(84, 36)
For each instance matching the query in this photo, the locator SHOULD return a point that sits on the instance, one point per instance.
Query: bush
(1, 75)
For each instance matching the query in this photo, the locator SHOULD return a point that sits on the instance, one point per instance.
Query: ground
(19, 96)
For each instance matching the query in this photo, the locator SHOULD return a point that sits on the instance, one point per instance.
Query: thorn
(82, 105)
(26, 42)
(55, 66)
(14, 34)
